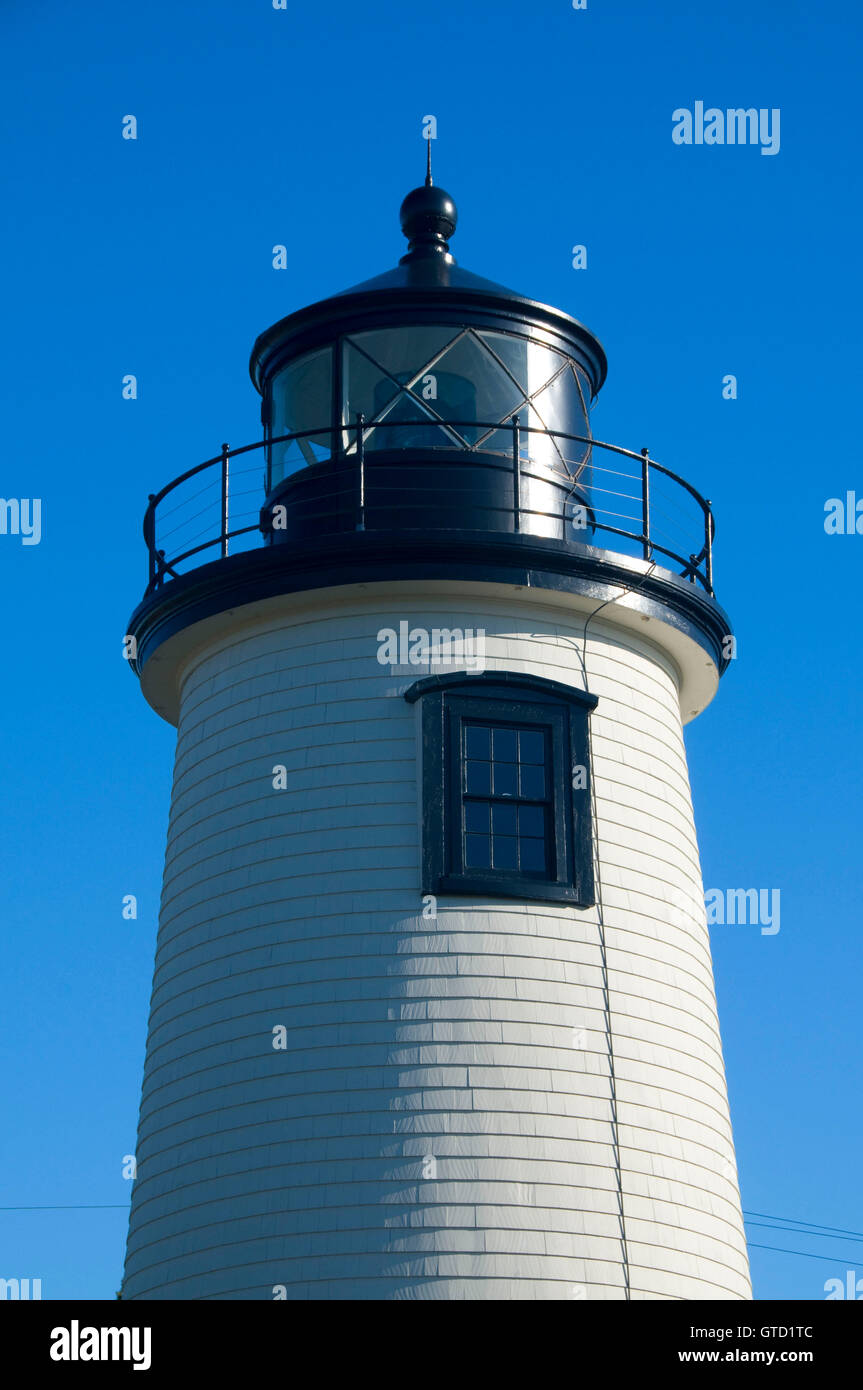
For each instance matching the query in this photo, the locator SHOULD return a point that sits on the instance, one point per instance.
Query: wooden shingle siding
(430, 1129)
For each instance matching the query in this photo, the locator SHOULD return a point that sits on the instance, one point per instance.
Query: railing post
(361, 475)
(645, 503)
(708, 546)
(516, 476)
(150, 538)
(224, 500)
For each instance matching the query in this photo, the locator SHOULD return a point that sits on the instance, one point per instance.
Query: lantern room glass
(448, 387)
(301, 399)
(432, 386)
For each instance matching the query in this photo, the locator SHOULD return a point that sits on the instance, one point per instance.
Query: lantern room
(426, 398)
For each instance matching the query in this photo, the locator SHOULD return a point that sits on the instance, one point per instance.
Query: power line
(803, 1253)
(91, 1206)
(841, 1229)
(813, 1229)
(817, 1235)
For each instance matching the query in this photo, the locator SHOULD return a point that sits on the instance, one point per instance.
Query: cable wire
(85, 1206)
(793, 1219)
(804, 1254)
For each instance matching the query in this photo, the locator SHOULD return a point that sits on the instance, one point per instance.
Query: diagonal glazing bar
(529, 401)
(406, 388)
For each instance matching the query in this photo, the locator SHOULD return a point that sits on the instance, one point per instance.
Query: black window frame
(513, 700)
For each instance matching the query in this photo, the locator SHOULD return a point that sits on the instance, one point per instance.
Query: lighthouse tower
(433, 1012)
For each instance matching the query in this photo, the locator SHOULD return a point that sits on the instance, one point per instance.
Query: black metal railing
(653, 533)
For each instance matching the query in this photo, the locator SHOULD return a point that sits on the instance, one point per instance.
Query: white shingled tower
(433, 1011)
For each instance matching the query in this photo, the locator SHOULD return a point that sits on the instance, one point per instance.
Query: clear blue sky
(153, 257)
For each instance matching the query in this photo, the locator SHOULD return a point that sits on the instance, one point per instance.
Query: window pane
(532, 782)
(531, 821)
(401, 358)
(450, 396)
(560, 407)
(537, 446)
(478, 778)
(476, 817)
(533, 859)
(531, 746)
(477, 741)
(301, 400)
(507, 766)
(530, 363)
(505, 852)
(503, 820)
(512, 352)
(415, 434)
(504, 744)
(506, 779)
(405, 349)
(492, 397)
(477, 852)
(367, 389)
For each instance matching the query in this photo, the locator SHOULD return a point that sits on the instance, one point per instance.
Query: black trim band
(365, 557)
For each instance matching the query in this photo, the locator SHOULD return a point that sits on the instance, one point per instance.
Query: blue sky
(154, 257)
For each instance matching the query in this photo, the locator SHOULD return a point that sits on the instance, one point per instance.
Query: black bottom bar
(223, 1337)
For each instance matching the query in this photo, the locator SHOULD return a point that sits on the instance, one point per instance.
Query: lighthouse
(433, 1012)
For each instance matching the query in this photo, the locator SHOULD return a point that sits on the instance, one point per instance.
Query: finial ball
(428, 214)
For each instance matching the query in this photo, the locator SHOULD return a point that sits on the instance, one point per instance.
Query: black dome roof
(426, 280)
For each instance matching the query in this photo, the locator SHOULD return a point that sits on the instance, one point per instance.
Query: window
(505, 787)
(505, 797)
(301, 399)
(408, 377)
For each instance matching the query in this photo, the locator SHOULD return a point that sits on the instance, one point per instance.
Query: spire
(428, 165)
